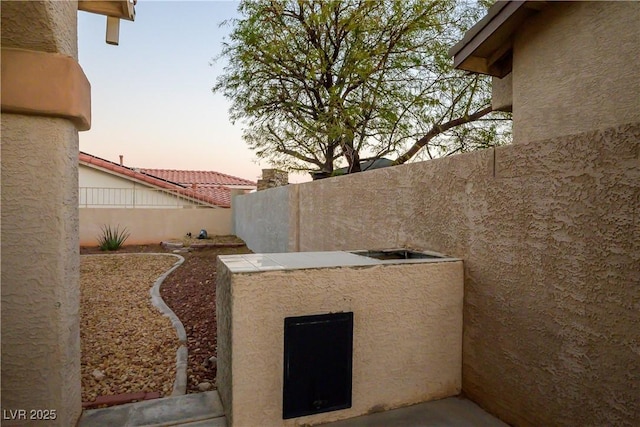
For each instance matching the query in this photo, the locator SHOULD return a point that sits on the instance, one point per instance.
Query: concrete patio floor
(205, 409)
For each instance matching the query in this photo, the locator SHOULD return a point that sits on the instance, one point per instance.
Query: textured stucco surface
(575, 68)
(549, 232)
(264, 219)
(407, 335)
(40, 260)
(151, 226)
(40, 291)
(224, 380)
(502, 93)
(45, 26)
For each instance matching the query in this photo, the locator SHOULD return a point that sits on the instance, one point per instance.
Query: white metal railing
(102, 197)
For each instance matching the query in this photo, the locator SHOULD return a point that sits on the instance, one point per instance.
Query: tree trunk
(352, 155)
(354, 162)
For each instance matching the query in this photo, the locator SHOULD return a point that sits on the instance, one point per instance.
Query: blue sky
(151, 95)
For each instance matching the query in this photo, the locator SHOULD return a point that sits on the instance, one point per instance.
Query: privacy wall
(549, 232)
(148, 226)
(268, 218)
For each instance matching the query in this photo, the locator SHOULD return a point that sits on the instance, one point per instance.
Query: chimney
(121, 160)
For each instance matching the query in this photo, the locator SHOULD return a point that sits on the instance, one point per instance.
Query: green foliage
(112, 238)
(320, 82)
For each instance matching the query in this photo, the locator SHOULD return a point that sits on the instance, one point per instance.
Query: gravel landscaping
(127, 344)
(190, 291)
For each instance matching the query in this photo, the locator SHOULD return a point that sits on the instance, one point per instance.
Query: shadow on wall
(548, 232)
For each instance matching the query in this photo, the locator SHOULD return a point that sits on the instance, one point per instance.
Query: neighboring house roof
(219, 193)
(487, 47)
(212, 194)
(206, 183)
(198, 177)
(365, 164)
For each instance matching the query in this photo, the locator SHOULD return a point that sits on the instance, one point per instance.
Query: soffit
(487, 47)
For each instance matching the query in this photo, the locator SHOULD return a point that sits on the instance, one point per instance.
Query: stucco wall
(407, 336)
(265, 219)
(40, 260)
(549, 232)
(46, 26)
(40, 268)
(502, 93)
(575, 68)
(153, 225)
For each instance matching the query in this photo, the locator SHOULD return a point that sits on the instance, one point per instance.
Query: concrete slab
(205, 410)
(169, 411)
(454, 411)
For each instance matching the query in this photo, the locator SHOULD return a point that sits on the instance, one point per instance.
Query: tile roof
(212, 191)
(198, 177)
(219, 193)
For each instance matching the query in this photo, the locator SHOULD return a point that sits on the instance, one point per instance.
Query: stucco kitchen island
(314, 337)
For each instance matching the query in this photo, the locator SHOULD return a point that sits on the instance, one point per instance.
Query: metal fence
(100, 197)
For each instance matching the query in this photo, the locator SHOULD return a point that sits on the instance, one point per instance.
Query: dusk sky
(151, 95)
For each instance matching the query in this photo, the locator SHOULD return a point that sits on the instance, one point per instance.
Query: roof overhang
(122, 9)
(114, 10)
(487, 47)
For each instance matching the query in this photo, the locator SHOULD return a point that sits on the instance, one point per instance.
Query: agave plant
(112, 238)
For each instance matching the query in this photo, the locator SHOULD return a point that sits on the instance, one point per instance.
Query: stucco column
(45, 100)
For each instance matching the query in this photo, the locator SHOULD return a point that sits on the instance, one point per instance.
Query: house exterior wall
(152, 226)
(100, 189)
(575, 69)
(40, 260)
(48, 26)
(407, 332)
(549, 232)
(502, 93)
(90, 177)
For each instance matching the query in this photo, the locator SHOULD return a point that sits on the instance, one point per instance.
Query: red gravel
(190, 291)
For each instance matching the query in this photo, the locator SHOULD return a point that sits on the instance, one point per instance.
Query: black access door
(317, 364)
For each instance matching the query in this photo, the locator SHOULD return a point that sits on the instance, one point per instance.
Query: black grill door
(317, 364)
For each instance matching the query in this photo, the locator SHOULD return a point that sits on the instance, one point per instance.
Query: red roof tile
(219, 193)
(198, 177)
(216, 195)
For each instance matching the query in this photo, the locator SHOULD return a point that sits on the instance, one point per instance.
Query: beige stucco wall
(502, 93)
(575, 68)
(549, 232)
(40, 262)
(407, 338)
(153, 225)
(45, 26)
(40, 291)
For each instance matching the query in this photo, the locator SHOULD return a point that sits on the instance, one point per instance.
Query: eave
(122, 9)
(487, 47)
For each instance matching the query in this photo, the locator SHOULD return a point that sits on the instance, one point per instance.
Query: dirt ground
(190, 292)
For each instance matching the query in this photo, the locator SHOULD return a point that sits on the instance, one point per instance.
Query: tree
(317, 81)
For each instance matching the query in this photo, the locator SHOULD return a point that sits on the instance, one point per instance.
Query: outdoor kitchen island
(311, 337)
